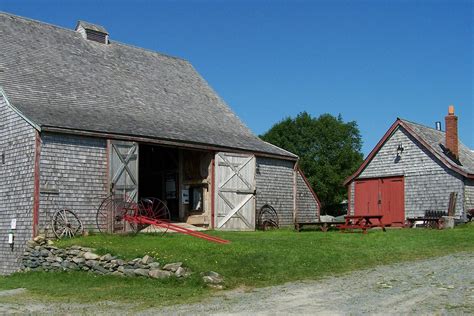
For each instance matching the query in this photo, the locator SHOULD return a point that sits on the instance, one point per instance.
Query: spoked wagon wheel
(66, 224)
(110, 214)
(267, 218)
(154, 209)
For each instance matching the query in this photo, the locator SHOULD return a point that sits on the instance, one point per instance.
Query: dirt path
(443, 285)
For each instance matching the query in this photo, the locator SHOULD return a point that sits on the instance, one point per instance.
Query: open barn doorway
(159, 174)
(179, 177)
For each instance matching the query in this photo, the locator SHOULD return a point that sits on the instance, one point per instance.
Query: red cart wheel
(157, 210)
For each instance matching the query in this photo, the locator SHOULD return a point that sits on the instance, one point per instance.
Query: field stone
(212, 277)
(78, 260)
(44, 253)
(92, 263)
(117, 273)
(90, 256)
(141, 272)
(154, 265)
(159, 274)
(129, 272)
(101, 269)
(180, 272)
(106, 257)
(73, 252)
(147, 259)
(172, 266)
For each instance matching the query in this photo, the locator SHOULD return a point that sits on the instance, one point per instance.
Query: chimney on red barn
(452, 141)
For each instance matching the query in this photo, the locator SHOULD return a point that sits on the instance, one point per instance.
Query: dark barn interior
(158, 175)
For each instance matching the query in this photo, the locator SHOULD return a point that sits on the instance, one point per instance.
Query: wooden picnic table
(363, 222)
(324, 226)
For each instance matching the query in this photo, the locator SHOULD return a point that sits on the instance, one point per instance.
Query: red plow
(119, 214)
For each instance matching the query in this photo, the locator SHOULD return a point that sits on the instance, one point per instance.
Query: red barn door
(393, 200)
(366, 197)
(384, 196)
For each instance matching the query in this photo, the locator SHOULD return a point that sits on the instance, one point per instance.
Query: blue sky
(371, 61)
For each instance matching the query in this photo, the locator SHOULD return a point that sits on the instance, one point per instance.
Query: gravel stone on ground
(443, 285)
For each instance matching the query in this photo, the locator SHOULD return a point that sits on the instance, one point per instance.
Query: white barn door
(124, 168)
(235, 192)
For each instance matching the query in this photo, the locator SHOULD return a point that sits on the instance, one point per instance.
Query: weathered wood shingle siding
(17, 143)
(307, 208)
(427, 181)
(468, 195)
(351, 195)
(73, 176)
(275, 179)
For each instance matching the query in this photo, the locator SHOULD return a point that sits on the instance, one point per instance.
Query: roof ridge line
(74, 31)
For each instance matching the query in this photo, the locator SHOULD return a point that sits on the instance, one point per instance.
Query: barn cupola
(93, 32)
(452, 141)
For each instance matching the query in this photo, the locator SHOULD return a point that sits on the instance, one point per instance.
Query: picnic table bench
(362, 222)
(324, 226)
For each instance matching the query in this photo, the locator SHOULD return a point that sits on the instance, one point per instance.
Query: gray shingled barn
(413, 169)
(82, 116)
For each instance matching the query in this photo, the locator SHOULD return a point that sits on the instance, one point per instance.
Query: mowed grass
(252, 259)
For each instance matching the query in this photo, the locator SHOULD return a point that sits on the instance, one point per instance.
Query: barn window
(3, 158)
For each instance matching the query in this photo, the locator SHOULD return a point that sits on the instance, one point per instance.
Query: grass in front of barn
(252, 259)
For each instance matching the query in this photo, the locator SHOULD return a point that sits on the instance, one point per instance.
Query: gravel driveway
(443, 285)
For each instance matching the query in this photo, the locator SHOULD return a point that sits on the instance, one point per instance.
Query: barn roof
(434, 141)
(58, 79)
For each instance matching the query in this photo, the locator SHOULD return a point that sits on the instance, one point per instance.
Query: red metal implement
(163, 224)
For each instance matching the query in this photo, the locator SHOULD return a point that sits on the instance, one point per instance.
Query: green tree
(329, 151)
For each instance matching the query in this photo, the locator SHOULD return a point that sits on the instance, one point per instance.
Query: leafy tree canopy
(329, 151)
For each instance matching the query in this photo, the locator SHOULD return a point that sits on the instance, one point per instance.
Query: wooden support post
(180, 185)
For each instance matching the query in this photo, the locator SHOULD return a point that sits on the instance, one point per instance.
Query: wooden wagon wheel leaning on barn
(66, 224)
(267, 218)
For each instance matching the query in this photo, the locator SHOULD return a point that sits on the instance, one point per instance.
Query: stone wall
(275, 179)
(17, 161)
(73, 176)
(42, 255)
(428, 182)
(307, 207)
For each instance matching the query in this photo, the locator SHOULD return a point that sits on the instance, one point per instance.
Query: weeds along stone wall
(17, 164)
(428, 182)
(73, 176)
(275, 179)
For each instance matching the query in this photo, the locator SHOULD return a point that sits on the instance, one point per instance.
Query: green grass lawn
(251, 259)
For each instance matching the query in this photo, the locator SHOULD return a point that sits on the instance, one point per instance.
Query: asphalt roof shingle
(56, 78)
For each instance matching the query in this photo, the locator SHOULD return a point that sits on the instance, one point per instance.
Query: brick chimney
(452, 141)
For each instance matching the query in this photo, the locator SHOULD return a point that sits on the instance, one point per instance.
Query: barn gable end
(17, 174)
(422, 173)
